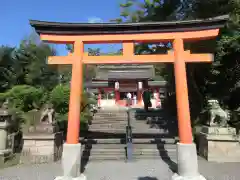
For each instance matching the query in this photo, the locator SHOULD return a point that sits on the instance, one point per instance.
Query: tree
(32, 68)
(225, 69)
(222, 71)
(7, 68)
(156, 10)
(93, 51)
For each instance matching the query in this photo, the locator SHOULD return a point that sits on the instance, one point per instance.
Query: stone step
(108, 146)
(135, 156)
(123, 130)
(107, 130)
(104, 141)
(147, 141)
(106, 125)
(123, 126)
(108, 135)
(123, 158)
(109, 120)
(122, 114)
(110, 114)
(104, 158)
(135, 146)
(136, 151)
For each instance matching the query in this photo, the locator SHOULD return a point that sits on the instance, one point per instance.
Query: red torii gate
(79, 34)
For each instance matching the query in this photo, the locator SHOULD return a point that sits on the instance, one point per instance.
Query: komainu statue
(216, 115)
(5, 104)
(48, 115)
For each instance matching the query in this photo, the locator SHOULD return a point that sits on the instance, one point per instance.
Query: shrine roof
(63, 28)
(125, 72)
(106, 83)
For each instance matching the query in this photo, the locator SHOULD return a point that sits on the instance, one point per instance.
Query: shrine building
(113, 82)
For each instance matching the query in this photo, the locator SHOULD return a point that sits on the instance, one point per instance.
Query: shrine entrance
(180, 34)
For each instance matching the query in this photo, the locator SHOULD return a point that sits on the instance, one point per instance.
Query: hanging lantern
(116, 85)
(140, 85)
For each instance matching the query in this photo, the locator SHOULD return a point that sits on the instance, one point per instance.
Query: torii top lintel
(128, 34)
(59, 32)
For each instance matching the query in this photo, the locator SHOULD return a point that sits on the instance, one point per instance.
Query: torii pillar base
(187, 163)
(71, 163)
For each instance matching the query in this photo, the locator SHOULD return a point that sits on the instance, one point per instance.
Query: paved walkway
(117, 170)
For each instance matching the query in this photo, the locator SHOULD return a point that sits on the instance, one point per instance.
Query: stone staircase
(107, 133)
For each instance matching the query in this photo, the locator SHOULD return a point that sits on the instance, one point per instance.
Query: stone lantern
(5, 123)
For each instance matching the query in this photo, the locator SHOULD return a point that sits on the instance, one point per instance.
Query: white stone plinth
(71, 163)
(187, 163)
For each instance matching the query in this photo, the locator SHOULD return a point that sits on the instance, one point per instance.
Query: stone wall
(41, 148)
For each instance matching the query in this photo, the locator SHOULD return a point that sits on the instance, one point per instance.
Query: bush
(24, 97)
(59, 98)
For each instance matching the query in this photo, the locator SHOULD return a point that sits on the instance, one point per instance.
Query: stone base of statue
(41, 144)
(219, 144)
(5, 155)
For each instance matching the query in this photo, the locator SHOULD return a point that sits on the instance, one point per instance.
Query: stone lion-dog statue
(217, 116)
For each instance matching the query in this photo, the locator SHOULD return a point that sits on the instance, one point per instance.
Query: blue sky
(14, 24)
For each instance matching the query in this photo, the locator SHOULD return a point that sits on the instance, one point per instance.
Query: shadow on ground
(147, 178)
(86, 154)
(165, 157)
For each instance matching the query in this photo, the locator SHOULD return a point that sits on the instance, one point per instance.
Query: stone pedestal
(219, 144)
(41, 148)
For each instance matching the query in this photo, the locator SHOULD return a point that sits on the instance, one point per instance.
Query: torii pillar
(187, 155)
(71, 157)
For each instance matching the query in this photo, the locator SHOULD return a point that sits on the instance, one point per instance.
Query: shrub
(24, 97)
(59, 98)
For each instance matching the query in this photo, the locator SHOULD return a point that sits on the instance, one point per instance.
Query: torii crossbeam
(178, 33)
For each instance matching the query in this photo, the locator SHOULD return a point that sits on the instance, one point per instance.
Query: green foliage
(221, 79)
(59, 98)
(26, 64)
(7, 67)
(28, 82)
(32, 67)
(24, 97)
(31, 118)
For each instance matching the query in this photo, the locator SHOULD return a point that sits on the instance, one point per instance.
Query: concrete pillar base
(177, 177)
(71, 163)
(81, 177)
(187, 163)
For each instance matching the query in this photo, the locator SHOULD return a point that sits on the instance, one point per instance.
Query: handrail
(129, 147)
